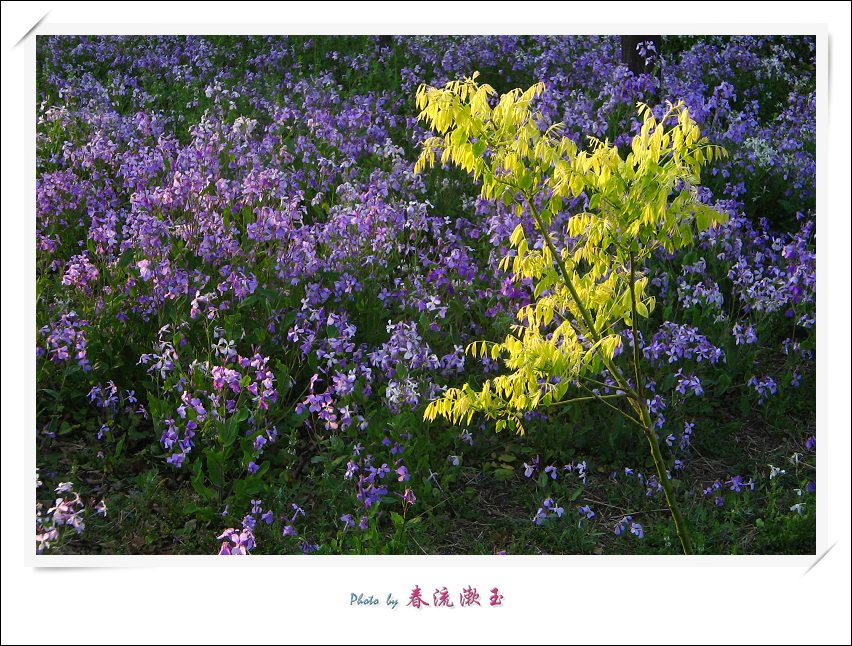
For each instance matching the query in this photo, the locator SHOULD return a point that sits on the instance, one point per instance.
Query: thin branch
(637, 371)
(581, 399)
(600, 383)
(615, 408)
(594, 501)
(586, 315)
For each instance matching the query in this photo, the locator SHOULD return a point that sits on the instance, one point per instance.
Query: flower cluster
(549, 508)
(627, 522)
(64, 339)
(68, 511)
(735, 484)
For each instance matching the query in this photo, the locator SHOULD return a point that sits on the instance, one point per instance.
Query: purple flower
(744, 336)
(736, 483)
(586, 511)
(308, 548)
(549, 508)
(686, 383)
(241, 542)
(764, 387)
(408, 497)
(686, 438)
(351, 470)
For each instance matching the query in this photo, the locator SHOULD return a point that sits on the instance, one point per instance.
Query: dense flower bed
(245, 294)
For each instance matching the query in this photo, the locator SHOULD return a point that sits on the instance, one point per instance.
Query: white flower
(64, 487)
(799, 508)
(775, 471)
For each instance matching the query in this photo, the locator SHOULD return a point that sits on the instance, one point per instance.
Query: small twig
(418, 545)
(575, 400)
(615, 408)
(621, 509)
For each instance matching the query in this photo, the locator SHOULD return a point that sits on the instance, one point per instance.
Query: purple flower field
(246, 299)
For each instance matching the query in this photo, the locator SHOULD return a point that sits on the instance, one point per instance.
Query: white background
(554, 599)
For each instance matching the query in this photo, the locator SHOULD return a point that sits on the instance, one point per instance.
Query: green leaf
(723, 383)
(288, 320)
(242, 415)
(215, 468)
(126, 258)
(705, 217)
(119, 446)
(555, 204)
(503, 474)
(197, 482)
(228, 431)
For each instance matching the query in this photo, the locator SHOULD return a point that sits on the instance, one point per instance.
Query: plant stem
(637, 399)
(640, 388)
(654, 444)
(584, 312)
(647, 425)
